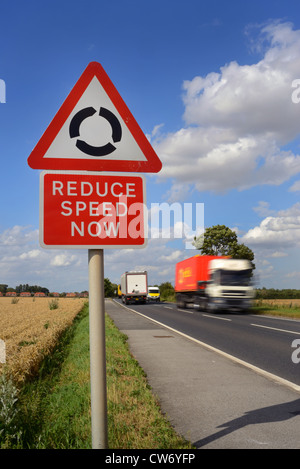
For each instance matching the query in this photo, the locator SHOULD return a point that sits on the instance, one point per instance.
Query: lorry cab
(230, 284)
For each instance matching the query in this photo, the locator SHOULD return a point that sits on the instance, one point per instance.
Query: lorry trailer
(134, 287)
(214, 283)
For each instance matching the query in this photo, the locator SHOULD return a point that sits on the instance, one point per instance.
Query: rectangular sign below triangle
(83, 210)
(94, 131)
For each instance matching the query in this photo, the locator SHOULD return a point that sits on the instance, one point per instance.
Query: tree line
(32, 289)
(23, 288)
(274, 294)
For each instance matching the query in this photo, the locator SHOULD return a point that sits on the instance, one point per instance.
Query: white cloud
(178, 193)
(173, 256)
(282, 230)
(238, 119)
(30, 254)
(278, 254)
(18, 235)
(295, 274)
(264, 272)
(23, 261)
(295, 187)
(63, 260)
(156, 132)
(263, 209)
(275, 243)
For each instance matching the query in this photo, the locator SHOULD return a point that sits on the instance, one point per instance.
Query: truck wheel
(180, 302)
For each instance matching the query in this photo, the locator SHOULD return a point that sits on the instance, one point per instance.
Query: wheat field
(280, 302)
(30, 330)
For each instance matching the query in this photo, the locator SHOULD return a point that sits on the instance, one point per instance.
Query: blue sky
(210, 84)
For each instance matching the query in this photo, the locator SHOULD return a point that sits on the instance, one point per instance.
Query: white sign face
(98, 123)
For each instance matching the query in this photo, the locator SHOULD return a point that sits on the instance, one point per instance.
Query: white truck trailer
(134, 287)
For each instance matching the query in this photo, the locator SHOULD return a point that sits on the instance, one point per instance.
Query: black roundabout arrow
(90, 149)
(78, 118)
(114, 122)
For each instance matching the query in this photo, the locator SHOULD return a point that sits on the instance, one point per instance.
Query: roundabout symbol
(90, 149)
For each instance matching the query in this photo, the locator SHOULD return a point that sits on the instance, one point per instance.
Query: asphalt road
(215, 401)
(265, 342)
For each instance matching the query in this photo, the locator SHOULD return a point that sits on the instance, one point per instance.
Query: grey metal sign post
(97, 349)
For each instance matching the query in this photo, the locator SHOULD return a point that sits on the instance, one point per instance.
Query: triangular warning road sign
(94, 131)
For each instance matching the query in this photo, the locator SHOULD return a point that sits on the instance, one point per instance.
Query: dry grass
(284, 302)
(30, 331)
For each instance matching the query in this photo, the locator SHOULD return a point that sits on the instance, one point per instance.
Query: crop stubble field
(30, 330)
(282, 302)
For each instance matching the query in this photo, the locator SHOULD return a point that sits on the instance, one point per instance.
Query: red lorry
(214, 283)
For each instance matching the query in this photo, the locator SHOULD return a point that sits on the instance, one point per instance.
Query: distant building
(55, 294)
(25, 293)
(71, 295)
(11, 293)
(39, 293)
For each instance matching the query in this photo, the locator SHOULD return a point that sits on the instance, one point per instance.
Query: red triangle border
(36, 159)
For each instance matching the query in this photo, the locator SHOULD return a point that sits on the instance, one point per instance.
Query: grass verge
(53, 410)
(288, 311)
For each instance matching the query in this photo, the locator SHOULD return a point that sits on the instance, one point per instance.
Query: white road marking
(216, 317)
(275, 329)
(183, 310)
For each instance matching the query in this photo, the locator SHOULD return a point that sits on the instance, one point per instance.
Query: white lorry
(134, 287)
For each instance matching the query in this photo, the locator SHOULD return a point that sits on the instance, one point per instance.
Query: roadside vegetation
(284, 308)
(52, 411)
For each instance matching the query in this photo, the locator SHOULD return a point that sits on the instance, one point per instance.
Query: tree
(219, 240)
(109, 288)
(166, 290)
(3, 288)
(31, 288)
